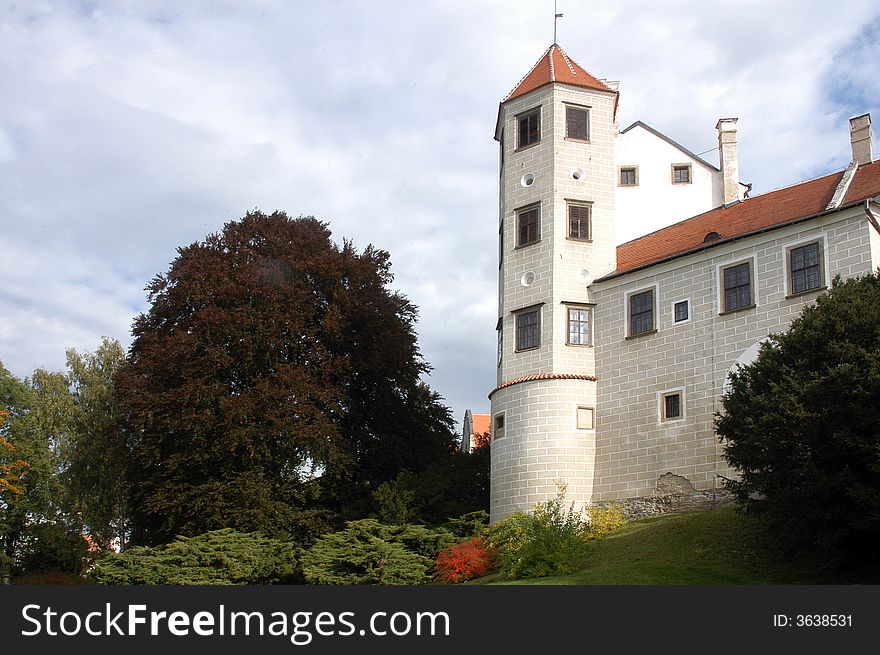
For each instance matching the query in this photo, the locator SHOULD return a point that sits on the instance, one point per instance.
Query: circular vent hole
(527, 180)
(528, 279)
(578, 173)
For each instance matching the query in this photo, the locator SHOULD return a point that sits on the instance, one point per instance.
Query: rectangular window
(577, 123)
(805, 264)
(681, 311)
(641, 313)
(498, 424)
(579, 217)
(501, 243)
(579, 328)
(629, 176)
(527, 225)
(585, 418)
(671, 406)
(681, 173)
(529, 128)
(500, 341)
(737, 282)
(527, 330)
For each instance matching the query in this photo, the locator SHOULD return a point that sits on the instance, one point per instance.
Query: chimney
(729, 162)
(860, 138)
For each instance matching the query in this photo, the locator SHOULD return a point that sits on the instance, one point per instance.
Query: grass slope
(717, 546)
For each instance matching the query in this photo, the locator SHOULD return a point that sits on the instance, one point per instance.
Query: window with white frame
(579, 324)
(681, 311)
(671, 405)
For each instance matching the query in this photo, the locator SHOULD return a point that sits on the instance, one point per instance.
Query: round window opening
(528, 279)
(527, 180)
(578, 173)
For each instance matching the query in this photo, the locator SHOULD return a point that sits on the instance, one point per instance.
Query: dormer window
(529, 128)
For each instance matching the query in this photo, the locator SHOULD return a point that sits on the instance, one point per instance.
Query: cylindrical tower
(556, 233)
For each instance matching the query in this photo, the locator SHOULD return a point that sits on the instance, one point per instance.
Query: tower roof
(556, 66)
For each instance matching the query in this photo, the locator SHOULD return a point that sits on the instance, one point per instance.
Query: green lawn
(718, 546)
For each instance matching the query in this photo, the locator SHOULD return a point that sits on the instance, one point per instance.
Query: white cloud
(129, 129)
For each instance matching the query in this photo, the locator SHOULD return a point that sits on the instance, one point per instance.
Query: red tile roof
(482, 423)
(766, 211)
(544, 376)
(555, 66)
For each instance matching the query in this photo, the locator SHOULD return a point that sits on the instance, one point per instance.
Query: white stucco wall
(656, 202)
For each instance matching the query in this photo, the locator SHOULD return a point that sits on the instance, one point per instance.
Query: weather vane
(556, 18)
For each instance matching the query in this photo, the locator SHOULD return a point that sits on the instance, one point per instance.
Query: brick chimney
(729, 162)
(860, 139)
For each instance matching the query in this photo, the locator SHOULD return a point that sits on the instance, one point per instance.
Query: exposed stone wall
(672, 493)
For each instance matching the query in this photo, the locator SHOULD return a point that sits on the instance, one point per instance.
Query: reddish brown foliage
(465, 561)
(482, 440)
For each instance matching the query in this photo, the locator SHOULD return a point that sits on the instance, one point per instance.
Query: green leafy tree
(369, 552)
(94, 453)
(220, 557)
(270, 354)
(802, 423)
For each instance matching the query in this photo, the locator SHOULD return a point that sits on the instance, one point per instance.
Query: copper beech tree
(274, 374)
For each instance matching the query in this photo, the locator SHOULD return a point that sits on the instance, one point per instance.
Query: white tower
(556, 233)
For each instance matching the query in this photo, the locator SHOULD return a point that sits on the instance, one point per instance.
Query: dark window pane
(527, 330)
(527, 226)
(579, 221)
(627, 177)
(529, 129)
(641, 312)
(577, 123)
(672, 406)
(737, 287)
(681, 311)
(805, 268)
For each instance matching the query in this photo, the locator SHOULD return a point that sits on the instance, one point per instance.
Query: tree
(94, 453)
(802, 423)
(268, 355)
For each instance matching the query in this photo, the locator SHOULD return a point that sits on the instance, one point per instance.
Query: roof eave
(615, 274)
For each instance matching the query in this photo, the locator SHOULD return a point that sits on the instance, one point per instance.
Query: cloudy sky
(128, 129)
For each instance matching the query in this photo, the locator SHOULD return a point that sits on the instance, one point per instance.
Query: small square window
(681, 173)
(529, 128)
(737, 284)
(498, 425)
(585, 418)
(577, 123)
(527, 225)
(579, 216)
(579, 328)
(672, 406)
(629, 176)
(805, 268)
(527, 324)
(641, 313)
(681, 311)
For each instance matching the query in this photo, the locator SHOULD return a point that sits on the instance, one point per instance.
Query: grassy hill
(717, 546)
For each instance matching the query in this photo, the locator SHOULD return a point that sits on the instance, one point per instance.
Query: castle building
(612, 358)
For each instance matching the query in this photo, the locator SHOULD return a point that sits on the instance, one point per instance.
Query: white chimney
(729, 162)
(860, 139)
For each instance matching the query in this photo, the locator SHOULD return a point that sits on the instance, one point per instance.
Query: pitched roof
(482, 423)
(674, 144)
(750, 216)
(555, 66)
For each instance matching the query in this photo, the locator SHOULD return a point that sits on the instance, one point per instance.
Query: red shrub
(465, 561)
